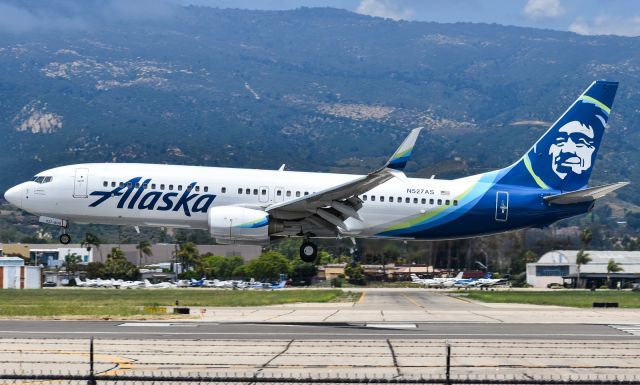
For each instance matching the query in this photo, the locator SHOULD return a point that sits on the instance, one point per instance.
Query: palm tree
(586, 236)
(582, 258)
(144, 248)
(188, 254)
(612, 267)
(92, 240)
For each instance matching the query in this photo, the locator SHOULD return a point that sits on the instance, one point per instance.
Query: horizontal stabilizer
(586, 195)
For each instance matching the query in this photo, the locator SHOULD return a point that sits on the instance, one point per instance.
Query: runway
(301, 331)
(385, 334)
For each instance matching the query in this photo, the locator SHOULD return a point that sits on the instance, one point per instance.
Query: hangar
(559, 266)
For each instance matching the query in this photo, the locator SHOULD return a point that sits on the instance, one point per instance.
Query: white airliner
(549, 182)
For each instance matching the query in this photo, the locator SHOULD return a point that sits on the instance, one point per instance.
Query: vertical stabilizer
(562, 159)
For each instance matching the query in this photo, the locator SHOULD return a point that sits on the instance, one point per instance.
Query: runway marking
(633, 329)
(262, 334)
(156, 324)
(392, 326)
(412, 300)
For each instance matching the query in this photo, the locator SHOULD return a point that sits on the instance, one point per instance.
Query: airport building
(559, 267)
(15, 275)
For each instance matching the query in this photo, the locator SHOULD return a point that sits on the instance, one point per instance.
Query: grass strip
(582, 299)
(111, 302)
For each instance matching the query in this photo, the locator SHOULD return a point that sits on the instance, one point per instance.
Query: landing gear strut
(308, 251)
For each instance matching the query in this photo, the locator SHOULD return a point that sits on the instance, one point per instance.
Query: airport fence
(52, 378)
(120, 376)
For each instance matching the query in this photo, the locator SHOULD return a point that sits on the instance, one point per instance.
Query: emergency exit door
(81, 182)
(502, 206)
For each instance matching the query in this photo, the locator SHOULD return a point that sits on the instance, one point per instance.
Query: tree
(94, 270)
(612, 267)
(91, 240)
(268, 266)
(356, 274)
(72, 263)
(118, 267)
(304, 272)
(144, 248)
(586, 236)
(582, 258)
(188, 255)
(215, 266)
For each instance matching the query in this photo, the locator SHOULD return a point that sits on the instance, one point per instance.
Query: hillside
(317, 89)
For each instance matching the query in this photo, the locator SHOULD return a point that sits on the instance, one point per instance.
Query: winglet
(400, 158)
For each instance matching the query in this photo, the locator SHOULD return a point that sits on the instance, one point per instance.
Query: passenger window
(189, 187)
(415, 200)
(455, 202)
(170, 187)
(373, 198)
(288, 193)
(222, 190)
(105, 184)
(439, 202)
(381, 198)
(297, 193)
(390, 199)
(279, 193)
(447, 202)
(179, 187)
(197, 188)
(431, 201)
(364, 197)
(423, 201)
(121, 184)
(137, 185)
(162, 186)
(129, 184)
(247, 191)
(153, 186)
(306, 193)
(240, 191)
(144, 185)
(264, 191)
(113, 184)
(399, 199)
(255, 191)
(407, 200)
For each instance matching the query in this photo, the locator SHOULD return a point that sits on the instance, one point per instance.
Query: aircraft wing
(585, 195)
(330, 207)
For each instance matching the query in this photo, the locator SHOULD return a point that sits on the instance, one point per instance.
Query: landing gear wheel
(65, 239)
(308, 251)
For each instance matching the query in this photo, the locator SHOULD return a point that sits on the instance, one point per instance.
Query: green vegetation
(124, 303)
(561, 298)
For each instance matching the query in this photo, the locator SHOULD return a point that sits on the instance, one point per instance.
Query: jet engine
(231, 224)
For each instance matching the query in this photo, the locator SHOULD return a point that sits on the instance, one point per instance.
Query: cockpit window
(42, 179)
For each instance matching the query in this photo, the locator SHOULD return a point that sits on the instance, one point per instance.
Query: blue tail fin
(562, 159)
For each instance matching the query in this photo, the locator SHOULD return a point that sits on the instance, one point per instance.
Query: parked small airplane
(548, 183)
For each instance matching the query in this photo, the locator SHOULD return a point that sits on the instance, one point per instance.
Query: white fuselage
(165, 201)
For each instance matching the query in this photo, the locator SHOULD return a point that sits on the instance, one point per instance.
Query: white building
(15, 275)
(556, 264)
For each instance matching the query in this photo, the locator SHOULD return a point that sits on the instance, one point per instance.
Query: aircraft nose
(14, 195)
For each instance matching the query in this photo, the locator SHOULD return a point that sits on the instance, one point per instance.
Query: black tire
(65, 239)
(308, 251)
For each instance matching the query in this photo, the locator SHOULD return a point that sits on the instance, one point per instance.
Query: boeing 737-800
(549, 182)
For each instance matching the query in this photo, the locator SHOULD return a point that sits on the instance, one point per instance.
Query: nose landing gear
(65, 238)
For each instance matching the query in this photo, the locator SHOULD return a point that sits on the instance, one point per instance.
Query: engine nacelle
(228, 224)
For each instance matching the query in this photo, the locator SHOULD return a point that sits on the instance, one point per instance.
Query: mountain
(315, 88)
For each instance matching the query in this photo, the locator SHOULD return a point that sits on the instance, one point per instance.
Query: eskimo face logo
(189, 202)
(573, 149)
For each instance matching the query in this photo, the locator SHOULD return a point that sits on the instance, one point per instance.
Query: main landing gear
(65, 238)
(308, 251)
